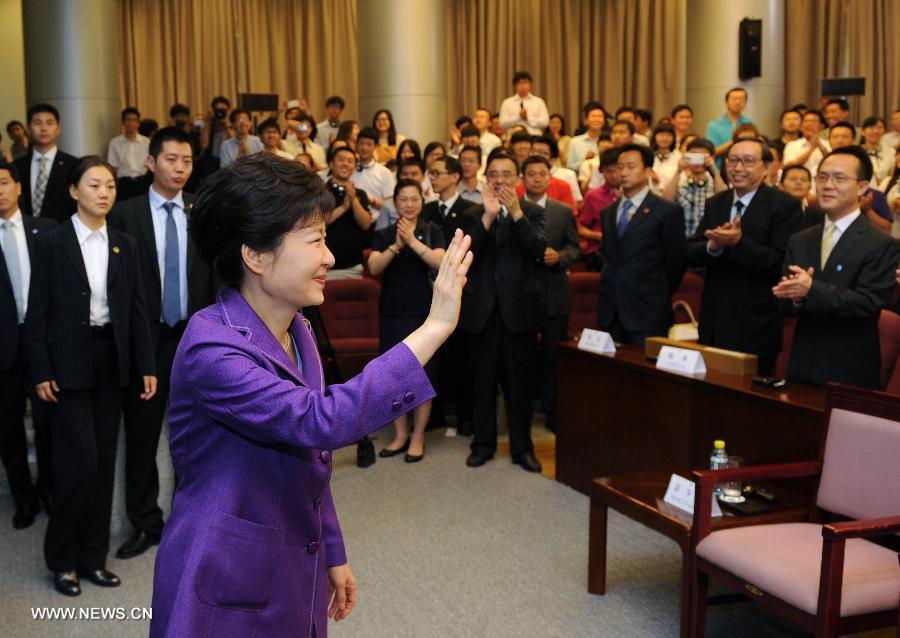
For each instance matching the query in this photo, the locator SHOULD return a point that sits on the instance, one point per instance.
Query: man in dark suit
(741, 241)
(552, 272)
(643, 244)
(838, 276)
(454, 378)
(177, 284)
(45, 168)
(18, 233)
(501, 310)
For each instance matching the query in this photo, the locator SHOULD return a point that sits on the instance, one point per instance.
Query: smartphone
(303, 127)
(293, 104)
(695, 159)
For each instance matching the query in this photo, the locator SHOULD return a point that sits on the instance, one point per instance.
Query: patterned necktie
(738, 210)
(40, 187)
(625, 217)
(11, 255)
(827, 242)
(171, 279)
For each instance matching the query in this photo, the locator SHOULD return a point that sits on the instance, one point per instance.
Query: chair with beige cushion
(825, 574)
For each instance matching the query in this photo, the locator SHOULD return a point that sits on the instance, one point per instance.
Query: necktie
(738, 210)
(625, 217)
(827, 242)
(171, 279)
(11, 256)
(40, 187)
(442, 209)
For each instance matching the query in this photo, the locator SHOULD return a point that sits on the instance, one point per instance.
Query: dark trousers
(499, 355)
(143, 424)
(14, 388)
(556, 328)
(85, 433)
(622, 334)
(455, 378)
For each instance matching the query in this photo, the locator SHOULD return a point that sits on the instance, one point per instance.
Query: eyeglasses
(435, 173)
(746, 162)
(838, 179)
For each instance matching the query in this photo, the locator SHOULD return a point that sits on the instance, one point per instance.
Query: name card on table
(596, 341)
(680, 360)
(680, 494)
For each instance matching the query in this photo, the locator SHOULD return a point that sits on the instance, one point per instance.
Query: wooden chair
(823, 574)
(583, 287)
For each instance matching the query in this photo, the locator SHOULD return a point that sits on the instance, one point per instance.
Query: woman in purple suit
(253, 546)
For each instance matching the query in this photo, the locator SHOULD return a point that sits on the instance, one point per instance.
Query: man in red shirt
(595, 201)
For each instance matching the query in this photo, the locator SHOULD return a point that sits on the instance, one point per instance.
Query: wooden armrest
(758, 473)
(862, 529)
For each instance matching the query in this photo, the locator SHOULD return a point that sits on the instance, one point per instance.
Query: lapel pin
(839, 267)
(116, 249)
(34, 231)
(452, 214)
(646, 210)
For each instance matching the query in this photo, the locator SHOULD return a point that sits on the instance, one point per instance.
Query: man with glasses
(838, 275)
(501, 310)
(741, 241)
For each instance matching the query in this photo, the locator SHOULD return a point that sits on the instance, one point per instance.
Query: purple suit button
(409, 397)
(325, 456)
(313, 547)
(396, 406)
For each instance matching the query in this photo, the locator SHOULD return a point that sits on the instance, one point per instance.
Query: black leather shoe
(365, 452)
(464, 428)
(415, 458)
(67, 583)
(528, 462)
(139, 543)
(24, 516)
(479, 458)
(47, 500)
(386, 453)
(103, 578)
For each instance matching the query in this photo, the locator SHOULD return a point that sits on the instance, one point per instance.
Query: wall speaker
(750, 51)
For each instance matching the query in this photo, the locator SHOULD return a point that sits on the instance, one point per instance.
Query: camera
(338, 191)
(220, 114)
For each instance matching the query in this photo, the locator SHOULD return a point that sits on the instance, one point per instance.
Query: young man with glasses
(740, 241)
(838, 275)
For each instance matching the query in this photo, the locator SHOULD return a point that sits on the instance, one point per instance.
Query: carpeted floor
(439, 550)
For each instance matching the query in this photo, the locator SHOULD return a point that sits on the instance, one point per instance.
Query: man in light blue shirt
(242, 144)
(720, 130)
(584, 146)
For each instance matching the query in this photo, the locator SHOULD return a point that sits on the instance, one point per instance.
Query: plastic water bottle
(718, 459)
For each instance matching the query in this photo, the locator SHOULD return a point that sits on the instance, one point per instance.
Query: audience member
(270, 136)
(643, 121)
(327, 129)
(589, 175)
(82, 371)
(45, 170)
(838, 275)
(148, 127)
(835, 110)
(446, 211)
(557, 130)
(502, 311)
(374, 178)
(545, 146)
(741, 240)
(667, 157)
(643, 254)
(127, 153)
(622, 133)
(873, 130)
(300, 138)
(890, 140)
(520, 143)
(552, 272)
(217, 131)
(243, 143)
(697, 181)
(524, 108)
(584, 146)
(456, 143)
(409, 149)
(348, 131)
(807, 150)
(350, 223)
(18, 235)
(720, 130)
(790, 129)
(482, 121)
(470, 185)
(796, 181)
(433, 151)
(406, 255)
(627, 114)
(682, 120)
(176, 286)
(19, 139)
(388, 137)
(496, 129)
(408, 169)
(590, 224)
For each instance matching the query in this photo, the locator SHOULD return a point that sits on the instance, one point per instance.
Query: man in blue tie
(643, 247)
(177, 285)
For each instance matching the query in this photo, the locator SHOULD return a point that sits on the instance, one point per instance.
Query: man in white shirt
(523, 108)
(487, 140)
(327, 129)
(374, 178)
(808, 150)
(127, 153)
(628, 114)
(584, 146)
(470, 163)
(242, 144)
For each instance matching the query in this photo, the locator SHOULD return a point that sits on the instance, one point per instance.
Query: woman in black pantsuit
(86, 332)
(407, 253)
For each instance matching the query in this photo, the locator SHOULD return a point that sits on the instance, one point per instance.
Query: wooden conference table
(619, 414)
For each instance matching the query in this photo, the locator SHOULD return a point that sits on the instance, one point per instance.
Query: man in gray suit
(552, 273)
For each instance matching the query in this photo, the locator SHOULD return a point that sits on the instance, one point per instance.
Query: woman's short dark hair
(406, 183)
(254, 201)
(662, 128)
(86, 163)
(411, 145)
(562, 129)
(313, 129)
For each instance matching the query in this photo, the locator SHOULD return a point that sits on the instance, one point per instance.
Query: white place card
(681, 360)
(596, 341)
(680, 494)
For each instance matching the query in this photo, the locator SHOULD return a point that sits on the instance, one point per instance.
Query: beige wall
(12, 52)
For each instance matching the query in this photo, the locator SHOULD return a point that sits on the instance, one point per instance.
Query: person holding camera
(299, 136)
(350, 223)
(696, 181)
(215, 131)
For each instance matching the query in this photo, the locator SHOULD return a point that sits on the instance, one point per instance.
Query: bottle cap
(719, 444)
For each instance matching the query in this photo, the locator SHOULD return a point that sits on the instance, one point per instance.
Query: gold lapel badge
(116, 249)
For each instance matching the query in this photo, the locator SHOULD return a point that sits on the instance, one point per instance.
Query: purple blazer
(253, 527)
